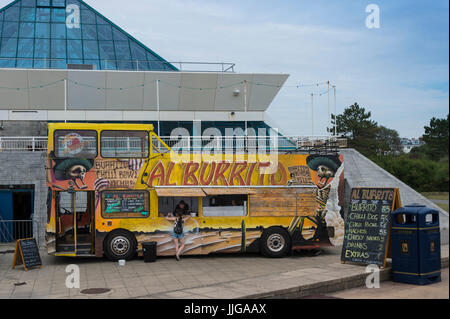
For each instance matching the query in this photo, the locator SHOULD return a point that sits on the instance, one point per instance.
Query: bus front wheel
(120, 244)
(275, 243)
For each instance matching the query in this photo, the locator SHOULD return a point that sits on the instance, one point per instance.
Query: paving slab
(201, 277)
(393, 290)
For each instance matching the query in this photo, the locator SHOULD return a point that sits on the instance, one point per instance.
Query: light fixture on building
(236, 92)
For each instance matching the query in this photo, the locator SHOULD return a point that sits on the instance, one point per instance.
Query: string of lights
(78, 83)
(201, 89)
(320, 93)
(41, 86)
(298, 86)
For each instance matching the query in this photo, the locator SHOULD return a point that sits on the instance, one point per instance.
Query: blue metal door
(6, 214)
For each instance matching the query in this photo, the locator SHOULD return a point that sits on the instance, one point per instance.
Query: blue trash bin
(416, 245)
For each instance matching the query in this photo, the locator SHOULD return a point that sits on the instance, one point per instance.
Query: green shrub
(422, 174)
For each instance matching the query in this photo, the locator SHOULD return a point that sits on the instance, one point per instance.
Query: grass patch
(437, 195)
(443, 206)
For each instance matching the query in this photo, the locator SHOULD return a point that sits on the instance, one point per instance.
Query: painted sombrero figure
(331, 161)
(73, 169)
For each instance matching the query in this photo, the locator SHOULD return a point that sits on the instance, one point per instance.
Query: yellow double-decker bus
(110, 187)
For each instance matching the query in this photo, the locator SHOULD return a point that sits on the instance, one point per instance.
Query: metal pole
(329, 111)
(335, 112)
(157, 106)
(65, 100)
(312, 114)
(245, 106)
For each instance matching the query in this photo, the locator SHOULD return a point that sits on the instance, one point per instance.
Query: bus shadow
(95, 260)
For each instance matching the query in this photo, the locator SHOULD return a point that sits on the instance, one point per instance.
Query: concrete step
(338, 283)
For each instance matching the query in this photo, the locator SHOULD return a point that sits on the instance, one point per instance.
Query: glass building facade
(50, 34)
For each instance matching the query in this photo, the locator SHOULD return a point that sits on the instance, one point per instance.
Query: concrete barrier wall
(23, 128)
(28, 168)
(362, 172)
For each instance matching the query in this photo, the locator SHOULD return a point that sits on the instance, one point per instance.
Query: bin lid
(415, 205)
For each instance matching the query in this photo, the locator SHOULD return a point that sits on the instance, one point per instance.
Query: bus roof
(100, 126)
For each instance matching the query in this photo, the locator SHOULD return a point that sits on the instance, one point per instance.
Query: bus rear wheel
(275, 243)
(120, 244)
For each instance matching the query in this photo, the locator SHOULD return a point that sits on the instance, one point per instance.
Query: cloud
(399, 72)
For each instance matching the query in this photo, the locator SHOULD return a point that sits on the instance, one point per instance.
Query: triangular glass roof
(49, 34)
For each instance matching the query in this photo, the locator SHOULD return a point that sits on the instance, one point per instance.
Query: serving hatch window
(225, 205)
(75, 144)
(168, 205)
(125, 204)
(124, 144)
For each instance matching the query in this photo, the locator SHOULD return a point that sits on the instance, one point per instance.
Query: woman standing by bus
(178, 231)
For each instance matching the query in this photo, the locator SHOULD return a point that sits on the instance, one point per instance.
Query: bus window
(225, 205)
(125, 204)
(75, 144)
(124, 144)
(167, 205)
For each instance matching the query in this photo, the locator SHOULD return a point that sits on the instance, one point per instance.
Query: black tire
(275, 242)
(120, 244)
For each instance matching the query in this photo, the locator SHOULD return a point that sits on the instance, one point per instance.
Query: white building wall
(44, 90)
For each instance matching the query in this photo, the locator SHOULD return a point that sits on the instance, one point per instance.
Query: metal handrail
(282, 143)
(125, 65)
(23, 143)
(11, 230)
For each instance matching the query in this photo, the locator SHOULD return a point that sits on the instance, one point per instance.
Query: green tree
(388, 141)
(356, 125)
(436, 137)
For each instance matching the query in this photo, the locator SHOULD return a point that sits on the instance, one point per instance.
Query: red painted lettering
(236, 173)
(282, 172)
(189, 174)
(220, 173)
(169, 174)
(157, 173)
(207, 181)
(250, 173)
(261, 176)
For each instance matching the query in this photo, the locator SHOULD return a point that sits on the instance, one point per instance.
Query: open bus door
(75, 228)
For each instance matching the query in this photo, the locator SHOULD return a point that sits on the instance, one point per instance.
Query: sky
(400, 71)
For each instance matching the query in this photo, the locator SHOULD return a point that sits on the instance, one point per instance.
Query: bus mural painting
(329, 169)
(115, 191)
(73, 170)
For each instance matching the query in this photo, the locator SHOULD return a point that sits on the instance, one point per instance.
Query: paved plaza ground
(219, 276)
(394, 290)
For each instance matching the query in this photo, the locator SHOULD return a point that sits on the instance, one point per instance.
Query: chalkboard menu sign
(125, 204)
(27, 253)
(367, 226)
